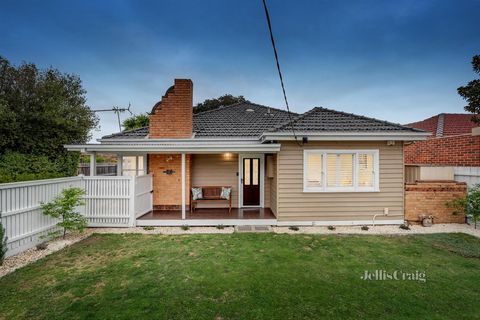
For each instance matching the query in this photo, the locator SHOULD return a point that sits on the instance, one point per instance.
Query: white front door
(251, 180)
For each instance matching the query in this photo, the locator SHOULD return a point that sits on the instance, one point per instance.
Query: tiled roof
(246, 119)
(322, 119)
(446, 124)
(243, 119)
(129, 134)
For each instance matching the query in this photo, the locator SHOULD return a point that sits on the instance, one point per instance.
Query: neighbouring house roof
(446, 124)
(250, 120)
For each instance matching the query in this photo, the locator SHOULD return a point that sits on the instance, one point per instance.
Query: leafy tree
(135, 122)
(210, 104)
(16, 166)
(63, 207)
(3, 241)
(471, 92)
(469, 204)
(42, 110)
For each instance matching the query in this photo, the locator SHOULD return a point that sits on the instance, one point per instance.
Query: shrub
(42, 246)
(220, 226)
(405, 226)
(148, 228)
(294, 228)
(16, 166)
(332, 228)
(469, 204)
(63, 207)
(365, 228)
(3, 241)
(185, 227)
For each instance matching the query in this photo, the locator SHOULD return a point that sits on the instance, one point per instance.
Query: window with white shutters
(341, 170)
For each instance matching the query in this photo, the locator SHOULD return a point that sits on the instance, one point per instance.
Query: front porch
(246, 168)
(209, 217)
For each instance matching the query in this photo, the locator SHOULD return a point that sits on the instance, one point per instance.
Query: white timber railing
(109, 202)
(143, 195)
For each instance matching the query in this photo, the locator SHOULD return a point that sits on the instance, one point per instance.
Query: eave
(214, 147)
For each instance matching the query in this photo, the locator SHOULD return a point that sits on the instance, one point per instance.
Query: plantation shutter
(340, 169)
(345, 170)
(314, 170)
(366, 171)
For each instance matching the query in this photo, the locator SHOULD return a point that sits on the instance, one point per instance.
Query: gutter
(346, 136)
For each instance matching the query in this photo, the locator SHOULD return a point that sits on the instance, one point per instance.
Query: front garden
(248, 276)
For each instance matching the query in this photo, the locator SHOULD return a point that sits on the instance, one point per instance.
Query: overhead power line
(269, 23)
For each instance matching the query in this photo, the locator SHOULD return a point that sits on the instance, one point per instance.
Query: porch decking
(209, 216)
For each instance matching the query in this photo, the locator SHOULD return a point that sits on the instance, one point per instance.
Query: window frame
(324, 177)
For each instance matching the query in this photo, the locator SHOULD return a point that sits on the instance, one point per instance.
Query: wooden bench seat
(210, 193)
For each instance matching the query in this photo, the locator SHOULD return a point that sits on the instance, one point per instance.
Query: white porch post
(183, 186)
(137, 173)
(93, 164)
(119, 165)
(145, 164)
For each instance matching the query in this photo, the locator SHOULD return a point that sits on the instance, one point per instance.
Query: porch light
(227, 156)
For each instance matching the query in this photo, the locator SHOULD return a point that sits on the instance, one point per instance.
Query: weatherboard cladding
(247, 119)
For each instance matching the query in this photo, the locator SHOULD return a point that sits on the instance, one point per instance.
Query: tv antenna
(117, 111)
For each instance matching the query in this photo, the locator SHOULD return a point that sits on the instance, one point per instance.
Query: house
(451, 152)
(321, 167)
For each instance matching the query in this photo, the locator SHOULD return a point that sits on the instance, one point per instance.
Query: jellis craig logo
(399, 275)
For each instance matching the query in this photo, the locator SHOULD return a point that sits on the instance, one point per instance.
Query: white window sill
(340, 191)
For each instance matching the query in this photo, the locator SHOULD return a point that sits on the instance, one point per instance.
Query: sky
(394, 60)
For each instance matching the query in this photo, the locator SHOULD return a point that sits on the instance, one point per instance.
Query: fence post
(133, 220)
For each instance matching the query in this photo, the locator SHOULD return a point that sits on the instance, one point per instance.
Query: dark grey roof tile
(322, 119)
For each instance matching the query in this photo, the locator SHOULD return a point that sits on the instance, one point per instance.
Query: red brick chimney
(172, 117)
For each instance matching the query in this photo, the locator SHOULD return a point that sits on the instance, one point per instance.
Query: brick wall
(172, 117)
(167, 188)
(429, 198)
(462, 150)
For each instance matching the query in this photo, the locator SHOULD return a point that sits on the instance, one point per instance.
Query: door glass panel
(246, 172)
(255, 172)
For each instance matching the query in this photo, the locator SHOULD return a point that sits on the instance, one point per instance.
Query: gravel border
(386, 230)
(31, 255)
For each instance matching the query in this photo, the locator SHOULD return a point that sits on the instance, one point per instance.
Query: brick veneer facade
(171, 118)
(461, 150)
(430, 197)
(167, 187)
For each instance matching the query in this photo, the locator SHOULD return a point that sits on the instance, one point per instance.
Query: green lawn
(248, 276)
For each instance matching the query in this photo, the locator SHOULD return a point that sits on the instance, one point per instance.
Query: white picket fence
(113, 201)
(470, 175)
